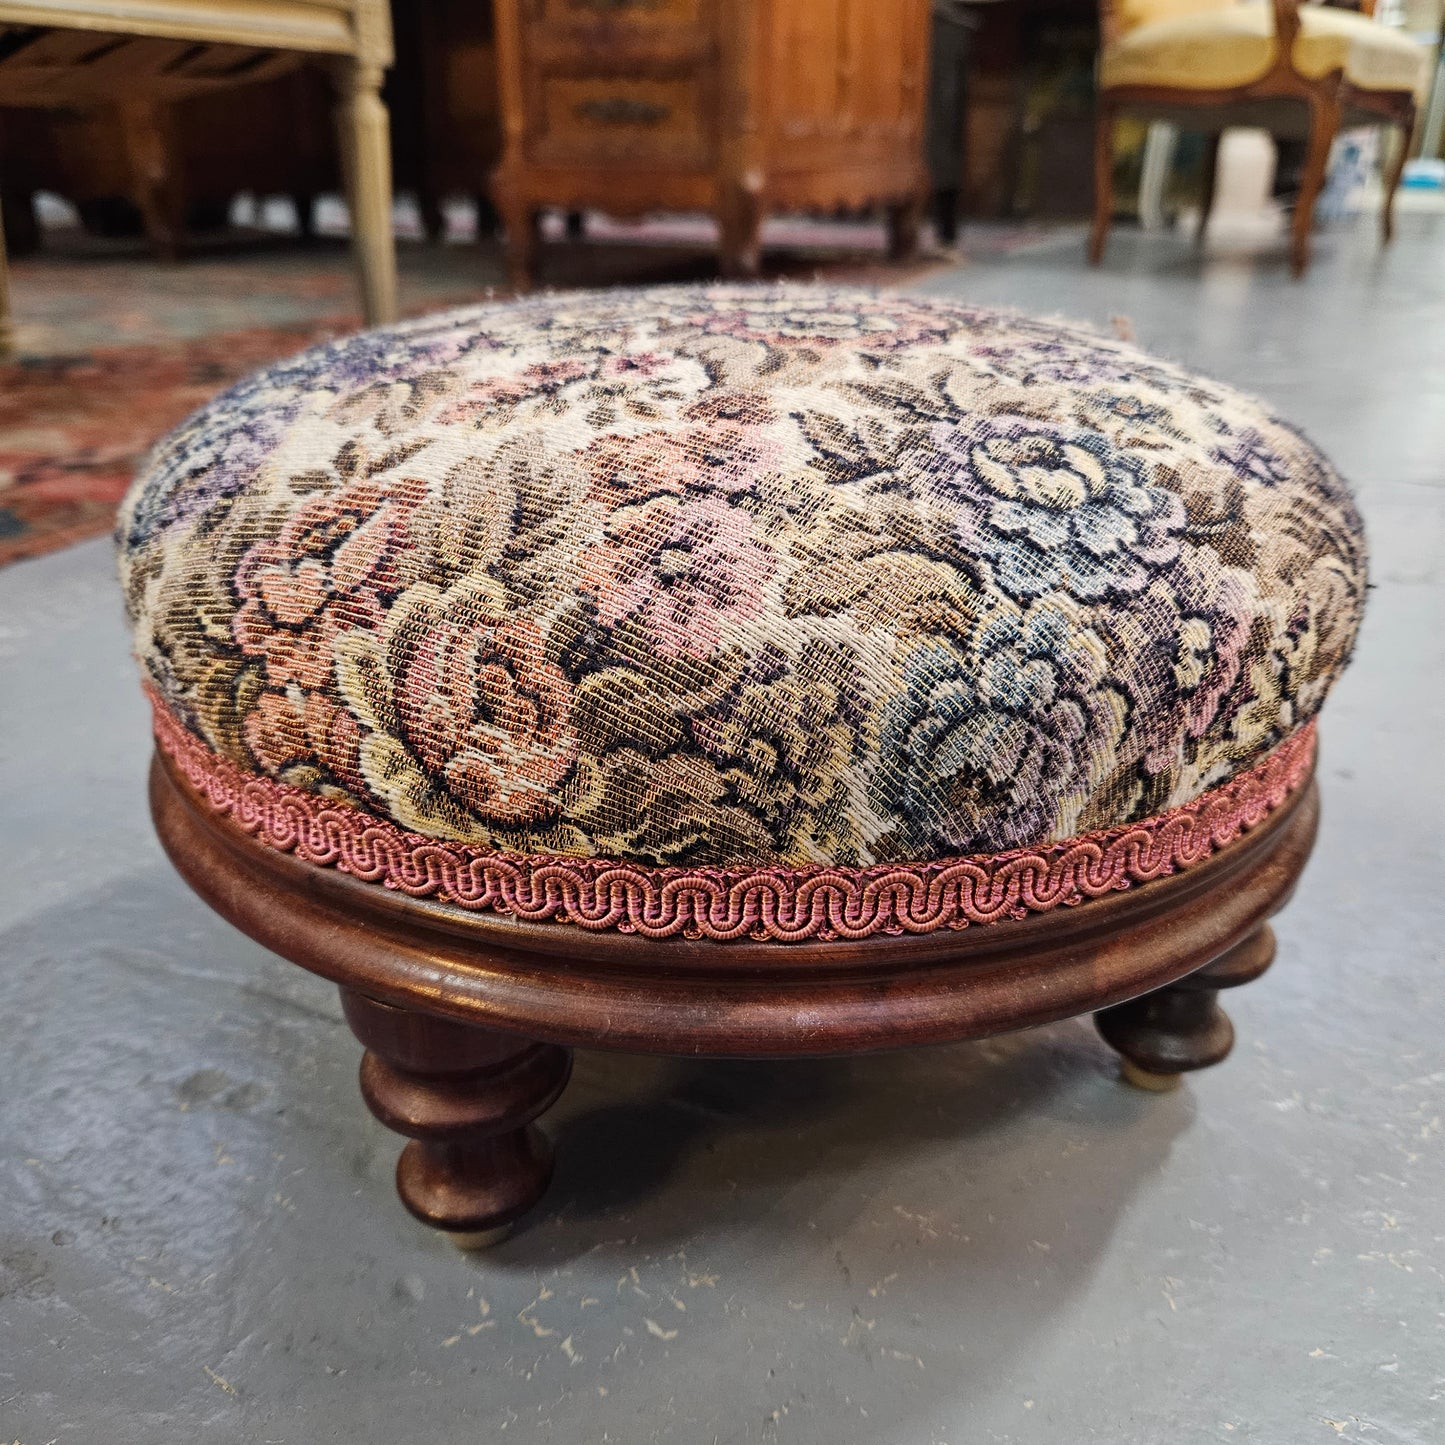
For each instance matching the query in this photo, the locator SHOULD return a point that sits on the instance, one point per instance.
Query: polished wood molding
(564, 984)
(468, 1018)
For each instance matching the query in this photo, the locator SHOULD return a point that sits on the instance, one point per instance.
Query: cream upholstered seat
(1296, 70)
(1235, 44)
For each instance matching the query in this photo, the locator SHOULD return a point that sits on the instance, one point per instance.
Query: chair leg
(1103, 181)
(945, 214)
(150, 152)
(1211, 179)
(433, 217)
(366, 158)
(305, 206)
(7, 329)
(521, 221)
(1324, 123)
(1392, 184)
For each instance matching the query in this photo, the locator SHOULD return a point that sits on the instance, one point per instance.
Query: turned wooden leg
(145, 128)
(467, 1098)
(740, 227)
(1103, 181)
(362, 131)
(433, 216)
(1180, 1027)
(945, 214)
(1392, 175)
(489, 219)
(522, 223)
(304, 203)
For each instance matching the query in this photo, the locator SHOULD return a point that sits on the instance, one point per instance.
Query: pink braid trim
(780, 903)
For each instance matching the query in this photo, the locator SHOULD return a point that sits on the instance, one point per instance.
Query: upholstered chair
(1298, 71)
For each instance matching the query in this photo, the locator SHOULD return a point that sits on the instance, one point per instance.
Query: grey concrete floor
(986, 1242)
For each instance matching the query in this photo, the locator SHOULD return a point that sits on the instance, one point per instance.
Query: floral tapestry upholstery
(738, 576)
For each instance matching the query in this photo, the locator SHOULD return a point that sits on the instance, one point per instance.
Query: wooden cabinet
(446, 124)
(737, 107)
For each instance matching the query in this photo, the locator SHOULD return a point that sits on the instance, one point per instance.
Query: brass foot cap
(1131, 1073)
(470, 1239)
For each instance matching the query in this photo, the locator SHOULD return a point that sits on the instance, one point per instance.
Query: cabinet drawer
(613, 118)
(641, 15)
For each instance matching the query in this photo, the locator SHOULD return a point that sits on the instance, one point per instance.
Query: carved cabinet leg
(1180, 1027)
(467, 1098)
(740, 227)
(148, 136)
(904, 221)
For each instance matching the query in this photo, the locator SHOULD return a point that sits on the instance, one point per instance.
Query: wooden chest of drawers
(737, 107)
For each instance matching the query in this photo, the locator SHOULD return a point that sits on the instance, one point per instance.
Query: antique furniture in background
(138, 60)
(287, 147)
(735, 671)
(1298, 71)
(735, 107)
(445, 108)
(953, 22)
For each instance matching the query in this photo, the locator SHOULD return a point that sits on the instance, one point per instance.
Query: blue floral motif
(981, 744)
(217, 451)
(1252, 459)
(1055, 509)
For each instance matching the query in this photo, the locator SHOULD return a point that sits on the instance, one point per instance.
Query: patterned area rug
(72, 429)
(115, 348)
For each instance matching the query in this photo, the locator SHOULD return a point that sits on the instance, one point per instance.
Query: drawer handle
(621, 110)
(611, 7)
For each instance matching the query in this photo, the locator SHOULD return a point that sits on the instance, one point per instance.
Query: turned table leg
(1164, 1034)
(467, 1098)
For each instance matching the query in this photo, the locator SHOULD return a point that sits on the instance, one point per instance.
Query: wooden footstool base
(468, 1019)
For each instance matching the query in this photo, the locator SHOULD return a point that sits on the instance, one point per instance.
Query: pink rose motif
(725, 450)
(482, 708)
(730, 456)
(623, 469)
(645, 364)
(683, 568)
(542, 379)
(330, 570)
(286, 731)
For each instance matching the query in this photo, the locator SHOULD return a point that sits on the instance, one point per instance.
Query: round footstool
(734, 671)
